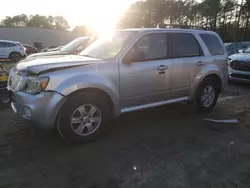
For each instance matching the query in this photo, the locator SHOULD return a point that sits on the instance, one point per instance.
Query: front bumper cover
(42, 109)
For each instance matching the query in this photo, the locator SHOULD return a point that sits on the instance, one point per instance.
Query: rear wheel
(83, 117)
(15, 56)
(207, 95)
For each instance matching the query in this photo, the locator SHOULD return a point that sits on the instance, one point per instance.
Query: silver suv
(132, 70)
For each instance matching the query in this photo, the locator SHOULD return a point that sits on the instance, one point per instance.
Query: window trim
(201, 52)
(200, 35)
(153, 59)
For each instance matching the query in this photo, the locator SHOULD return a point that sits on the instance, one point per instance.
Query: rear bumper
(42, 109)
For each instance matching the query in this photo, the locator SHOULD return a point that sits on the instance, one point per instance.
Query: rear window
(213, 44)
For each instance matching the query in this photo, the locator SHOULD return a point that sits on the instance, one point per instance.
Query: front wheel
(207, 95)
(83, 117)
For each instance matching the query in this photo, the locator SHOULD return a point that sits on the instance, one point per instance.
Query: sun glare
(102, 15)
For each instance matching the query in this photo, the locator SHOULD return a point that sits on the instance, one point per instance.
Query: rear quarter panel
(213, 64)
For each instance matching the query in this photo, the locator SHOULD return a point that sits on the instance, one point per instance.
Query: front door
(145, 71)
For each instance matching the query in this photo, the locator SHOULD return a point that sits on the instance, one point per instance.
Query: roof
(167, 29)
(8, 41)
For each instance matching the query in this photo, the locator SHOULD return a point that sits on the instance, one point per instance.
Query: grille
(242, 76)
(240, 66)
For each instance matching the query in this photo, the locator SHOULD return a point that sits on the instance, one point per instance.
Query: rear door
(2, 50)
(218, 54)
(187, 57)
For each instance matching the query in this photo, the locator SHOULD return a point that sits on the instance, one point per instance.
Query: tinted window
(7, 44)
(213, 44)
(149, 47)
(184, 45)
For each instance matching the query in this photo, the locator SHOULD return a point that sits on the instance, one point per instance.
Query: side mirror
(127, 60)
(134, 56)
(240, 51)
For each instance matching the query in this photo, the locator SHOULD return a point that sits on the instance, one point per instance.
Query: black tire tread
(199, 107)
(15, 53)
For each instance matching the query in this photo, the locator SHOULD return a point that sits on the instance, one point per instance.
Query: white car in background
(239, 66)
(11, 50)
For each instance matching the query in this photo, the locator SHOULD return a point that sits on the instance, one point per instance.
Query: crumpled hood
(49, 63)
(47, 54)
(241, 57)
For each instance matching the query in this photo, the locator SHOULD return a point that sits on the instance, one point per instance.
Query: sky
(77, 12)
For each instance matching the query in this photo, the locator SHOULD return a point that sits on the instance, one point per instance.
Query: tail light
(21, 47)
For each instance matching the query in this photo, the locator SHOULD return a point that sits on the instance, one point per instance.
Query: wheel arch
(97, 91)
(212, 75)
(217, 80)
(15, 52)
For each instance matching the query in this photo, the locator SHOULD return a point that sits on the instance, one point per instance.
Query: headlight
(36, 84)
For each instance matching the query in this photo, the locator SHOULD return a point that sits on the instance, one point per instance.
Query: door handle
(200, 63)
(162, 68)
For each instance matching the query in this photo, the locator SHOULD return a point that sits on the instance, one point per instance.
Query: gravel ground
(169, 146)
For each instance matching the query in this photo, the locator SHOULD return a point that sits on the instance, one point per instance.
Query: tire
(205, 87)
(15, 56)
(5, 99)
(82, 101)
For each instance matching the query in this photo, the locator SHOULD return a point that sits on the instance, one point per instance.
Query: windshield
(71, 47)
(247, 50)
(109, 48)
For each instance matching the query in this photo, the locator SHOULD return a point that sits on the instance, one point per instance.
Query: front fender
(205, 71)
(79, 82)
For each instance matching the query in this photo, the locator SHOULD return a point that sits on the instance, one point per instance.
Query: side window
(149, 47)
(184, 45)
(7, 44)
(1, 45)
(213, 44)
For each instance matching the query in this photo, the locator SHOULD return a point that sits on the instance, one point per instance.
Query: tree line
(230, 18)
(22, 20)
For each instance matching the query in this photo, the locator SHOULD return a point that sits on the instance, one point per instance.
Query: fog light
(27, 112)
